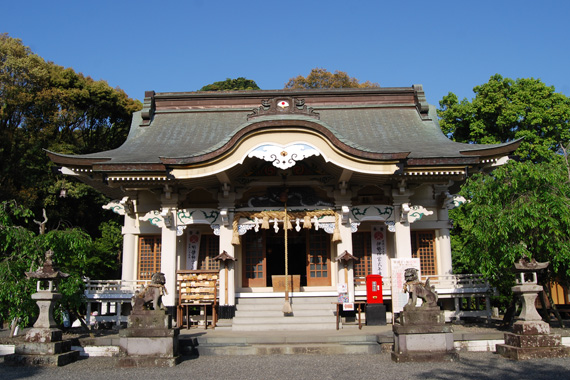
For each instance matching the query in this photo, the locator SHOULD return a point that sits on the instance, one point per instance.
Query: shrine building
(363, 177)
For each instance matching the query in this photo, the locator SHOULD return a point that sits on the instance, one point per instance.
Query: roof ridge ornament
(421, 102)
(147, 112)
(284, 105)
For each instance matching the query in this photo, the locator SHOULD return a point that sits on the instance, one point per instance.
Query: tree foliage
(522, 208)
(504, 110)
(23, 250)
(45, 106)
(237, 84)
(321, 78)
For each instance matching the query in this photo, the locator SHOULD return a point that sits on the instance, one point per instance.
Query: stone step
(266, 314)
(275, 326)
(279, 306)
(286, 349)
(279, 313)
(280, 300)
(280, 344)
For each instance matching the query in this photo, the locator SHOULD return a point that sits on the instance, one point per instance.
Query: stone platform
(532, 340)
(43, 347)
(423, 336)
(149, 341)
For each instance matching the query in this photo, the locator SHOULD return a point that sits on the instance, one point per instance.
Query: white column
(345, 245)
(445, 265)
(129, 270)
(226, 234)
(403, 239)
(169, 252)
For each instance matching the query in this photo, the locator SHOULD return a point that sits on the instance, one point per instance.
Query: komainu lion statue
(417, 289)
(151, 295)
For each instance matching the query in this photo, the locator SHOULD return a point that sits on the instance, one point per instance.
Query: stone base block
(525, 353)
(150, 319)
(410, 343)
(531, 327)
(421, 329)
(424, 357)
(147, 361)
(149, 333)
(420, 316)
(52, 348)
(56, 360)
(539, 340)
(41, 335)
(160, 347)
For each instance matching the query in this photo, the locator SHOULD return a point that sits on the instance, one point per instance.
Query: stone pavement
(471, 365)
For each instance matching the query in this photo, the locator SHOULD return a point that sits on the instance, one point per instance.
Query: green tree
(520, 209)
(237, 84)
(504, 110)
(45, 106)
(23, 250)
(321, 78)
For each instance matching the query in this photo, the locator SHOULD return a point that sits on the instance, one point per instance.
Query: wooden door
(318, 259)
(254, 270)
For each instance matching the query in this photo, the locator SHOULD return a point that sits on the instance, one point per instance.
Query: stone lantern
(43, 343)
(531, 337)
(45, 329)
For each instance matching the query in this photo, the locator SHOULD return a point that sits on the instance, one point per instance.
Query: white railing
(105, 299)
(456, 281)
(451, 281)
(108, 287)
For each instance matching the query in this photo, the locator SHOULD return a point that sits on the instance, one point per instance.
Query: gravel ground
(471, 365)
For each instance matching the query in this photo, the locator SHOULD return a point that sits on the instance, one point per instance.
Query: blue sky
(448, 46)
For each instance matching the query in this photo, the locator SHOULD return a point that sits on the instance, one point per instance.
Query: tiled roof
(373, 129)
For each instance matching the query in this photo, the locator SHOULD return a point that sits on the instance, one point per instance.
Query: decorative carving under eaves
(453, 201)
(417, 212)
(197, 216)
(283, 106)
(122, 207)
(160, 219)
(284, 157)
(372, 212)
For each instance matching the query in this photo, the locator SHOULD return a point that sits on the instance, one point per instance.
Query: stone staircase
(266, 314)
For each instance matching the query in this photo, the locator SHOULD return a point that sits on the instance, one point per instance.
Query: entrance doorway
(309, 257)
(296, 242)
